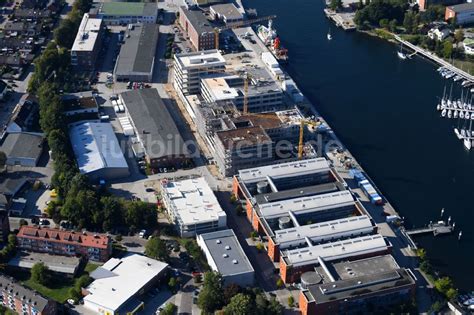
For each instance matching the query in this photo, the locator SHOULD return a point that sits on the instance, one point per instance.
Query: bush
(280, 284)
(118, 238)
(253, 235)
(291, 301)
(259, 246)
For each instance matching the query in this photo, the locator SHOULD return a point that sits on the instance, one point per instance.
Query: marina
(438, 228)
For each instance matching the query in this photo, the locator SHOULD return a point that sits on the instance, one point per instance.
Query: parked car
(142, 234)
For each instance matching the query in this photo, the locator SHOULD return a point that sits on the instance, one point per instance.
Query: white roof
(325, 230)
(96, 146)
(87, 34)
(119, 279)
(289, 169)
(199, 59)
(337, 250)
(219, 89)
(193, 201)
(307, 204)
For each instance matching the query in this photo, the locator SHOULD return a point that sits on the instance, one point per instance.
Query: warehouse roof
(226, 253)
(289, 169)
(96, 146)
(193, 200)
(137, 54)
(358, 246)
(154, 123)
(127, 8)
(61, 264)
(198, 21)
(120, 279)
(22, 145)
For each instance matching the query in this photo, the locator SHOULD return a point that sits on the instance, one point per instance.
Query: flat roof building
(192, 206)
(155, 128)
(59, 264)
(136, 59)
(263, 93)
(88, 43)
(198, 28)
(357, 286)
(225, 256)
(22, 149)
(97, 150)
(227, 12)
(122, 13)
(82, 105)
(293, 263)
(190, 67)
(120, 283)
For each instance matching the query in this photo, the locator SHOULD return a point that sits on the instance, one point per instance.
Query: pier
(436, 59)
(438, 228)
(342, 19)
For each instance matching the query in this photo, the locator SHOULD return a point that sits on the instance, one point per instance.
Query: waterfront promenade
(433, 57)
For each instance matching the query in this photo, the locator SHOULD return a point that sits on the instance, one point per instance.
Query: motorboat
(461, 115)
(456, 114)
(456, 131)
(443, 113)
(457, 78)
(450, 113)
(467, 144)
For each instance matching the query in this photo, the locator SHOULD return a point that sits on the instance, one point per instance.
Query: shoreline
(398, 232)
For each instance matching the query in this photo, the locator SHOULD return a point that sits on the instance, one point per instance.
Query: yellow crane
(302, 125)
(217, 30)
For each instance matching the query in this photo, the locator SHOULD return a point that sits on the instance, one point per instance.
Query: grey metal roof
(199, 22)
(11, 183)
(228, 245)
(61, 264)
(297, 192)
(137, 54)
(31, 297)
(468, 6)
(229, 10)
(154, 123)
(22, 145)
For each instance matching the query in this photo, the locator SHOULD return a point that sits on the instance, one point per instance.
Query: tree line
(78, 202)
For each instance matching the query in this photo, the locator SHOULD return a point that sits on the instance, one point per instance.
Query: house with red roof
(96, 247)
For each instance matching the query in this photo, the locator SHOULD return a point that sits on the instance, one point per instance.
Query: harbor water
(384, 111)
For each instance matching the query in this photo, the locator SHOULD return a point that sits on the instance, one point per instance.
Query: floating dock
(438, 228)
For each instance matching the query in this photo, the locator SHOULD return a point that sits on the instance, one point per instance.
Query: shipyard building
(307, 216)
(356, 287)
(198, 28)
(136, 59)
(158, 139)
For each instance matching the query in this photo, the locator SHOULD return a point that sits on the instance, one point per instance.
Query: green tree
(140, 214)
(459, 35)
(172, 283)
(451, 294)
(410, 22)
(156, 248)
(230, 291)
(240, 304)
(211, 296)
(280, 283)
(169, 309)
(291, 301)
(447, 49)
(39, 274)
(335, 5)
(443, 285)
(393, 26)
(62, 34)
(421, 252)
(74, 294)
(112, 210)
(384, 23)
(274, 307)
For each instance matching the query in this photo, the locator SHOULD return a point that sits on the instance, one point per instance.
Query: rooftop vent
(235, 262)
(225, 255)
(227, 247)
(218, 241)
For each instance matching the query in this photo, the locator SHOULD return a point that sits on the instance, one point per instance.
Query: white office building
(192, 206)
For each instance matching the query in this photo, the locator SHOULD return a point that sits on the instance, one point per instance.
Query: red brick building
(96, 247)
(198, 28)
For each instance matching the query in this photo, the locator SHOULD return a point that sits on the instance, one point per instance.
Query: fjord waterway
(384, 111)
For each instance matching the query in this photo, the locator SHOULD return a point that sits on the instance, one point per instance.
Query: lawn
(58, 293)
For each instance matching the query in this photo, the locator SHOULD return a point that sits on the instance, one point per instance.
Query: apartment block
(88, 43)
(97, 247)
